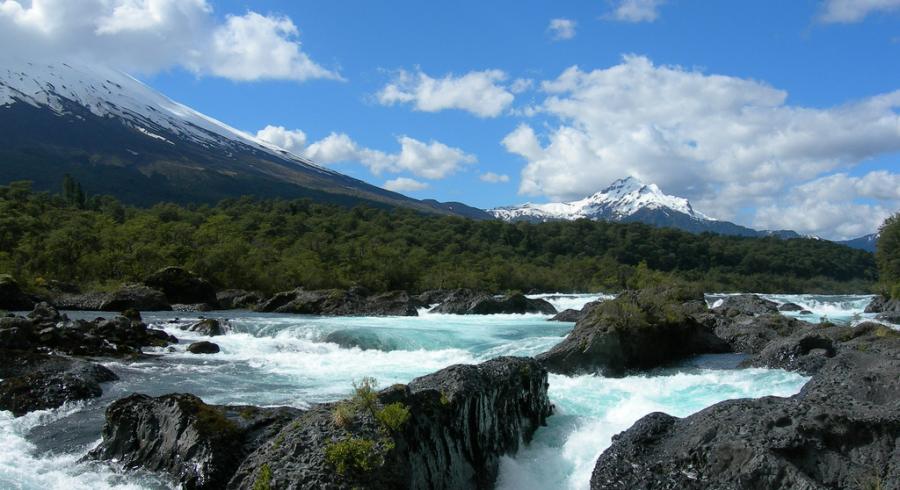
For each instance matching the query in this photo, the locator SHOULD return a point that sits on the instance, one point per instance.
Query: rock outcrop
(470, 302)
(181, 286)
(573, 315)
(237, 299)
(445, 430)
(199, 445)
(38, 370)
(840, 431)
(12, 297)
(340, 302)
(637, 330)
(130, 296)
(745, 305)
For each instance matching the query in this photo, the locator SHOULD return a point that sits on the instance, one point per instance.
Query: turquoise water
(271, 359)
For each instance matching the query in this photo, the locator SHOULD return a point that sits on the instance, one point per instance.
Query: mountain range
(630, 200)
(117, 136)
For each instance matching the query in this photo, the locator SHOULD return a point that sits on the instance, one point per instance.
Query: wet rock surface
(470, 302)
(203, 347)
(637, 330)
(206, 326)
(460, 421)
(840, 431)
(48, 382)
(341, 302)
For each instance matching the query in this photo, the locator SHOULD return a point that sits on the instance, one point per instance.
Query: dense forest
(273, 245)
(887, 256)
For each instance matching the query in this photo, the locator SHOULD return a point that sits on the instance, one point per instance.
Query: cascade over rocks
(181, 286)
(199, 445)
(462, 419)
(637, 330)
(470, 302)
(840, 431)
(206, 326)
(340, 302)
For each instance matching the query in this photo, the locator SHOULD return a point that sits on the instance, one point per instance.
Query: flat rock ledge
(460, 421)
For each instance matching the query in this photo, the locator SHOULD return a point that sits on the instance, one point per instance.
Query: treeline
(273, 245)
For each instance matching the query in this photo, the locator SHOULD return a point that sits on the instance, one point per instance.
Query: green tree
(887, 255)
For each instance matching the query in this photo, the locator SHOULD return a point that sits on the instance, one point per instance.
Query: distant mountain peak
(620, 200)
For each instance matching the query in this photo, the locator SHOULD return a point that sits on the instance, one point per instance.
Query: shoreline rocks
(470, 302)
(340, 302)
(12, 297)
(444, 430)
(182, 287)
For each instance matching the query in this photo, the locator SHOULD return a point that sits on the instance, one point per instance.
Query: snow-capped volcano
(623, 198)
(117, 136)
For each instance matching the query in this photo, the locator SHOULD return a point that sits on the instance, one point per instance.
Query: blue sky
(773, 114)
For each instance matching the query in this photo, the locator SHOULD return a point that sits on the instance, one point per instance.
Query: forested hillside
(273, 245)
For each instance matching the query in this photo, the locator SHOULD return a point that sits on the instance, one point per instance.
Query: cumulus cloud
(431, 160)
(848, 11)
(726, 143)
(404, 184)
(165, 33)
(480, 92)
(635, 10)
(492, 178)
(836, 206)
(561, 29)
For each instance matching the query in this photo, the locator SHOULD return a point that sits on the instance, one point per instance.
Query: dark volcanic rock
(129, 296)
(746, 304)
(203, 347)
(206, 326)
(469, 302)
(197, 444)
(572, 315)
(637, 330)
(840, 431)
(883, 304)
(339, 302)
(462, 420)
(234, 299)
(181, 286)
(42, 382)
(11, 296)
(790, 307)
(750, 334)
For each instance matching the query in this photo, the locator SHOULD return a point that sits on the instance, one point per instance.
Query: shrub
(264, 480)
(343, 414)
(354, 454)
(393, 417)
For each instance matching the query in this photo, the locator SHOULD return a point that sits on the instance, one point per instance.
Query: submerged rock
(340, 302)
(470, 302)
(199, 445)
(181, 286)
(637, 330)
(207, 326)
(360, 338)
(203, 347)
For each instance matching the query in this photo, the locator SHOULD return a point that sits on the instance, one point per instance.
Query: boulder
(840, 431)
(206, 326)
(203, 347)
(469, 302)
(750, 334)
(462, 420)
(883, 304)
(572, 315)
(638, 330)
(746, 305)
(181, 286)
(235, 299)
(198, 445)
(11, 295)
(790, 307)
(137, 297)
(340, 302)
(42, 382)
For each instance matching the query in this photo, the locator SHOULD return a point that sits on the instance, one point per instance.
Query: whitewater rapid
(274, 359)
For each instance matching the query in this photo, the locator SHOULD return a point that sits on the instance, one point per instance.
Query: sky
(771, 114)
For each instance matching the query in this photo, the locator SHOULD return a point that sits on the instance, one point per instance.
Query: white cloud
(636, 10)
(404, 184)
(151, 35)
(727, 143)
(478, 92)
(493, 178)
(834, 206)
(520, 85)
(562, 29)
(848, 11)
(432, 160)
